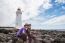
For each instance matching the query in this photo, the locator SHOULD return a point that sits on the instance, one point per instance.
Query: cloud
(60, 1)
(55, 23)
(47, 4)
(31, 10)
(63, 7)
(56, 20)
(30, 7)
(35, 22)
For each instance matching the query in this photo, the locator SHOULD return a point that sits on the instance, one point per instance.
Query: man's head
(28, 26)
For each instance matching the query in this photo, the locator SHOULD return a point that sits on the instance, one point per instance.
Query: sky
(41, 14)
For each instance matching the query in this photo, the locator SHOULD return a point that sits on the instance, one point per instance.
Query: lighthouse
(18, 18)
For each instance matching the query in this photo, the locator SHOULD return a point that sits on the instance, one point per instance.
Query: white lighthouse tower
(18, 18)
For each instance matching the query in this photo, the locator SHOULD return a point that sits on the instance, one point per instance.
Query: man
(29, 34)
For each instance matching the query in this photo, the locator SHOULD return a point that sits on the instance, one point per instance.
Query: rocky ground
(43, 36)
(6, 38)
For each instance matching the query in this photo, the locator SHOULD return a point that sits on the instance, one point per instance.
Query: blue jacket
(20, 31)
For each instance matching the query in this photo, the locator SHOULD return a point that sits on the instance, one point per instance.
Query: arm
(19, 32)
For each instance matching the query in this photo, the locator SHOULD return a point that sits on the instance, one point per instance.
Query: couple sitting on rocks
(24, 34)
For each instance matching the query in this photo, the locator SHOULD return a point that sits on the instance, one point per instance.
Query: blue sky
(42, 14)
